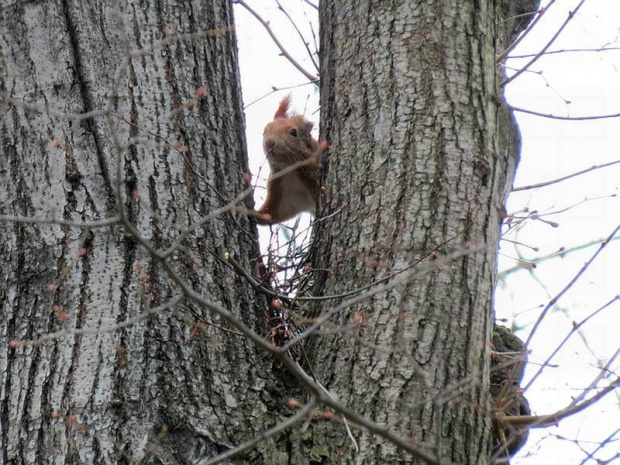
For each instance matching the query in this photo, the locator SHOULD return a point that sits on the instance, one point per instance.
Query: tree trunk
(169, 388)
(422, 155)
(113, 355)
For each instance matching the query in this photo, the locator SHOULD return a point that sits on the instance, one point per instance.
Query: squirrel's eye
(293, 132)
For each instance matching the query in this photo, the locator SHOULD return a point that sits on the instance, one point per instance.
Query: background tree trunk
(422, 156)
(159, 391)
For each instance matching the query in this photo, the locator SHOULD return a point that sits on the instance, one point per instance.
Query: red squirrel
(287, 143)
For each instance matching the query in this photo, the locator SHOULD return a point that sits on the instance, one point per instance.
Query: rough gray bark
(159, 391)
(422, 155)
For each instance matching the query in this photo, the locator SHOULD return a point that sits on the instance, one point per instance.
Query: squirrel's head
(287, 139)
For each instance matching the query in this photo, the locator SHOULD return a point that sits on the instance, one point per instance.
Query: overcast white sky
(566, 84)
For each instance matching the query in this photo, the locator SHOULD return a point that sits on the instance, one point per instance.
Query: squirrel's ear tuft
(283, 107)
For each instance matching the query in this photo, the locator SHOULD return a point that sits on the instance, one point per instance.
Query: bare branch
(564, 178)
(529, 264)
(45, 109)
(260, 437)
(284, 52)
(529, 29)
(260, 286)
(553, 301)
(214, 214)
(542, 421)
(282, 356)
(173, 39)
(301, 36)
(75, 224)
(99, 330)
(564, 118)
(573, 330)
(571, 14)
(600, 446)
(316, 7)
(574, 50)
(419, 270)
